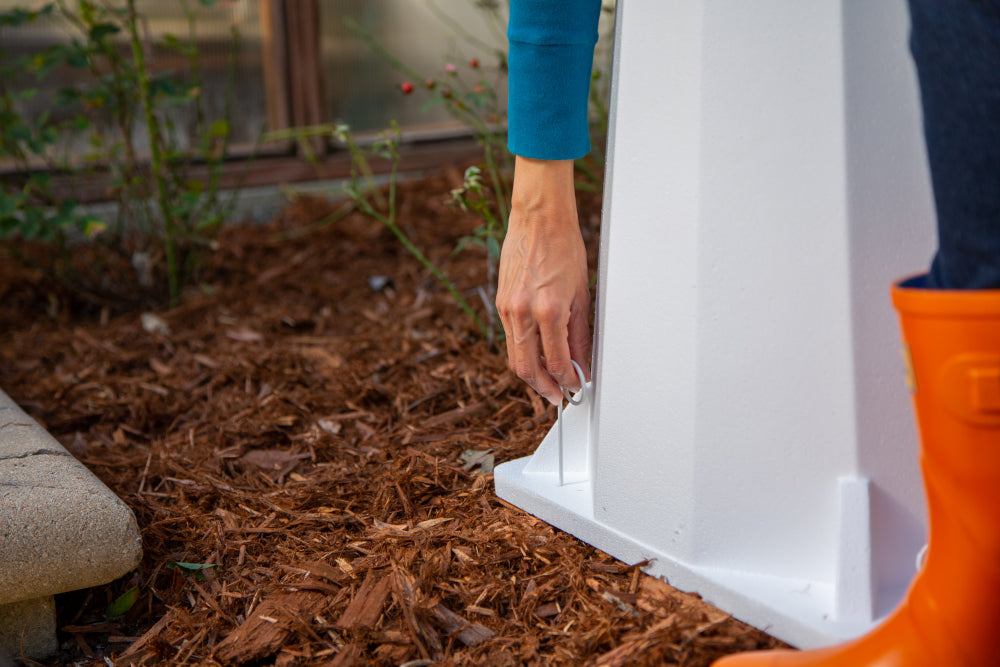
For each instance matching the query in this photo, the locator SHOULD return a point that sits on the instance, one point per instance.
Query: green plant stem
(599, 106)
(582, 167)
(119, 77)
(427, 264)
(389, 220)
(156, 157)
(489, 139)
(499, 186)
(361, 162)
(300, 232)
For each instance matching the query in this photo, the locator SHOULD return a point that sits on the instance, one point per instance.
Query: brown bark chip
(269, 626)
(367, 604)
(349, 656)
(470, 634)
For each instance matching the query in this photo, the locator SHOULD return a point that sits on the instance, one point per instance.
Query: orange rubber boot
(950, 616)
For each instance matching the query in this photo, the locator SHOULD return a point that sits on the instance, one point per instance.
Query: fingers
(554, 325)
(524, 356)
(542, 342)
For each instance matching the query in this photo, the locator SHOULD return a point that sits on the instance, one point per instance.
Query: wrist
(544, 191)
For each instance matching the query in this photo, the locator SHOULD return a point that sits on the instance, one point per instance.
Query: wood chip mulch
(300, 435)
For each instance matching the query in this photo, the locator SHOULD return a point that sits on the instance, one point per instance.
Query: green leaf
(209, 222)
(79, 123)
(67, 96)
(19, 16)
(30, 226)
(123, 602)
(493, 247)
(26, 95)
(19, 131)
(8, 225)
(171, 41)
(15, 17)
(192, 567)
(96, 97)
(196, 570)
(435, 101)
(93, 227)
(77, 58)
(35, 145)
(102, 30)
(163, 84)
(465, 242)
(8, 205)
(45, 232)
(48, 135)
(66, 208)
(219, 128)
(86, 11)
(43, 63)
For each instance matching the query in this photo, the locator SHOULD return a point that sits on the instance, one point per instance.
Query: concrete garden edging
(61, 529)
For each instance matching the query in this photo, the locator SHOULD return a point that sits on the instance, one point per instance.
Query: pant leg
(956, 48)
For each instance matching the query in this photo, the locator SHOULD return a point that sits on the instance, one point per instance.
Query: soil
(296, 430)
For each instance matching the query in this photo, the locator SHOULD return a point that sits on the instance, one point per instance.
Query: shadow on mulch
(301, 435)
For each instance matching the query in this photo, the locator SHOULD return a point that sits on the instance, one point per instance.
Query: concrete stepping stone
(61, 529)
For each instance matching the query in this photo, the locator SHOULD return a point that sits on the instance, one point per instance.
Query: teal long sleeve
(551, 57)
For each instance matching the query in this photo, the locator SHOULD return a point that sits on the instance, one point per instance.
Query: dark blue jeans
(956, 48)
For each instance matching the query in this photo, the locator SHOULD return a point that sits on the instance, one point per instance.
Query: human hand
(543, 297)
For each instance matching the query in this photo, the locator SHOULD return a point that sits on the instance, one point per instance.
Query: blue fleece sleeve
(551, 56)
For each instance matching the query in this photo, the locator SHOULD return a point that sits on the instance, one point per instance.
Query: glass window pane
(362, 88)
(213, 30)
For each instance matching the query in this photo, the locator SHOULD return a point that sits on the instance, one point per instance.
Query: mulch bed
(301, 434)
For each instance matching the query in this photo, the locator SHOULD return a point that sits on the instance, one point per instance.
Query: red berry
(407, 87)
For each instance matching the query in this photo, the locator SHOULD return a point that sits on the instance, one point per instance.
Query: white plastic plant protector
(748, 430)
